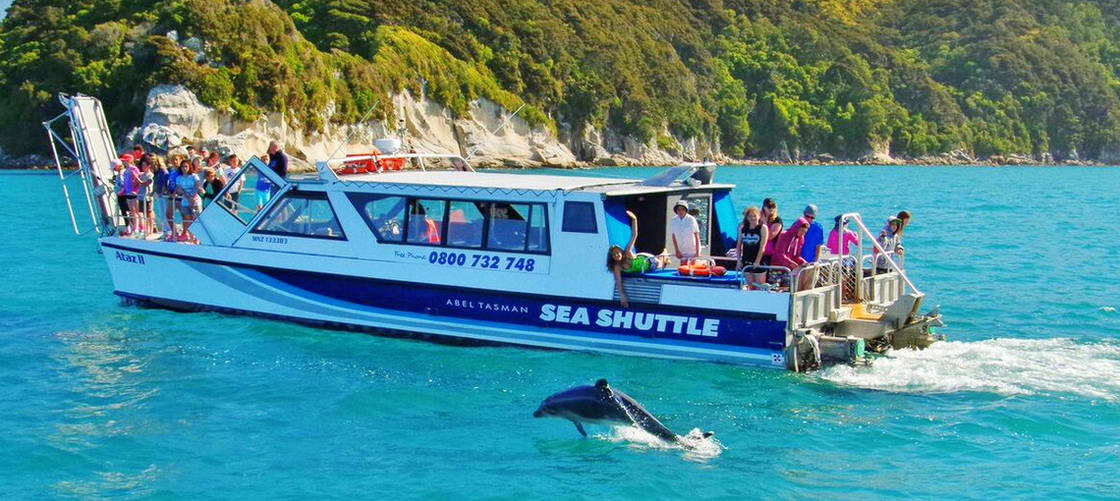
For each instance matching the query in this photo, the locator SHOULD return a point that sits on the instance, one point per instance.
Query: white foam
(1107, 309)
(1002, 366)
(693, 444)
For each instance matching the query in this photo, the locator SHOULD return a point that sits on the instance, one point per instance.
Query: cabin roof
(496, 180)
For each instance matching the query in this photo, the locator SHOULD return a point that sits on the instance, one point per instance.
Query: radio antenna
(354, 128)
(499, 129)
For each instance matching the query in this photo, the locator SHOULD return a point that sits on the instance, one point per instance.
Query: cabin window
(302, 214)
(579, 217)
(509, 227)
(465, 221)
(383, 214)
(425, 221)
(538, 229)
(460, 224)
(247, 194)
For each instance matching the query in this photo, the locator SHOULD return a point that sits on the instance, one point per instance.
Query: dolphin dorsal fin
(603, 387)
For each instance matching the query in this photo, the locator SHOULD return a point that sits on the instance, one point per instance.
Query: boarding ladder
(91, 145)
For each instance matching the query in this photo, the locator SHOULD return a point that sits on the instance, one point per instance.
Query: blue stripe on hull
(641, 321)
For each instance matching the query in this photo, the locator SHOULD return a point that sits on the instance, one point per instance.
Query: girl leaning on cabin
(750, 246)
(620, 260)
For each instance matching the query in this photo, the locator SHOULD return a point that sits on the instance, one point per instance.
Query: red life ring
(701, 268)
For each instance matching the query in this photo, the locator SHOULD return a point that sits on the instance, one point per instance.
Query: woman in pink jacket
(787, 251)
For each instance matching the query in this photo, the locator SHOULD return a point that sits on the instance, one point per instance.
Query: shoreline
(732, 163)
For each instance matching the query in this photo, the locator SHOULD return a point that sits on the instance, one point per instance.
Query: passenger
(621, 260)
(229, 170)
(212, 185)
(904, 217)
(173, 198)
(789, 247)
(750, 246)
(814, 236)
(774, 226)
(213, 161)
(131, 189)
(685, 232)
(189, 187)
(144, 196)
(190, 151)
(137, 152)
(277, 160)
(840, 246)
(160, 193)
(890, 239)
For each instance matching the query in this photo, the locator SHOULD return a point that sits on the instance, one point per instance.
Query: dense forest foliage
(765, 78)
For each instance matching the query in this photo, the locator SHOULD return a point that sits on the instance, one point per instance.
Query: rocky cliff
(489, 136)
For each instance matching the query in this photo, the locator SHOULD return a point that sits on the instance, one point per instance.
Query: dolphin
(602, 404)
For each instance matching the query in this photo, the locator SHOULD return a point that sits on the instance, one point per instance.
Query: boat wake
(1057, 366)
(693, 445)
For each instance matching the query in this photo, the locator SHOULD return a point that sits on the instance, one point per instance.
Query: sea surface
(104, 400)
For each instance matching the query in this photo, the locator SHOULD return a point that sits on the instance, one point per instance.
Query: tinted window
(425, 221)
(538, 229)
(384, 215)
(302, 215)
(464, 224)
(580, 217)
(509, 227)
(247, 194)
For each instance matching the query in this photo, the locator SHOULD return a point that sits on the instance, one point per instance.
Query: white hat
(680, 203)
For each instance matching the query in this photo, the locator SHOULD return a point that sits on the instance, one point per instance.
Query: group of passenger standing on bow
(764, 246)
(151, 193)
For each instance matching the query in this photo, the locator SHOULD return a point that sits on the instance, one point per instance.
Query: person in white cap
(685, 232)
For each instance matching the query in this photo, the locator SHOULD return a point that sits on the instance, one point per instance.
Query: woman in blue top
(188, 186)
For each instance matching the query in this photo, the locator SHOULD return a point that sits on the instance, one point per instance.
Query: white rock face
(488, 136)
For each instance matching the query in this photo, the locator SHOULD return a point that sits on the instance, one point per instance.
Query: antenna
(354, 129)
(499, 129)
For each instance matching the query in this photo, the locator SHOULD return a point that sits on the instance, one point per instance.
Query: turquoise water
(100, 400)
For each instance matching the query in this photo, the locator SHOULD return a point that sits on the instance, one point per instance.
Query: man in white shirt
(229, 169)
(685, 232)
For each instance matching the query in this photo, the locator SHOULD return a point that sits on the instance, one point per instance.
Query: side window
(247, 194)
(383, 214)
(425, 221)
(464, 223)
(302, 214)
(579, 217)
(509, 227)
(538, 229)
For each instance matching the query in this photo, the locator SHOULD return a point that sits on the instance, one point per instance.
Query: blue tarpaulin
(618, 225)
(726, 221)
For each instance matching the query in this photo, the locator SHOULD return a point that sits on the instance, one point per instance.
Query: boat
(421, 244)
